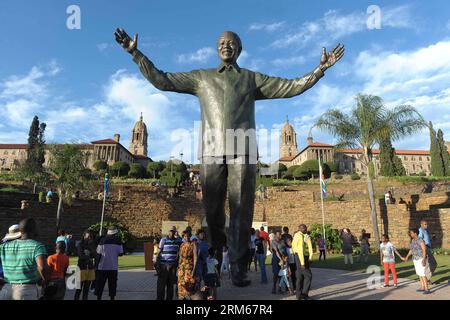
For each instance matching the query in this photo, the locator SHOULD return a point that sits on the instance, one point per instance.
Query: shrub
(124, 235)
(355, 176)
(9, 189)
(309, 168)
(281, 169)
(100, 165)
(338, 177)
(300, 174)
(137, 171)
(333, 240)
(120, 168)
(287, 176)
(154, 169)
(267, 182)
(11, 176)
(332, 166)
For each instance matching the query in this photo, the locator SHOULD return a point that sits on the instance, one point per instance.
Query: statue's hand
(328, 60)
(125, 41)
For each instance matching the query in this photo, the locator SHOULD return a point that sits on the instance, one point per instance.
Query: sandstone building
(347, 160)
(108, 150)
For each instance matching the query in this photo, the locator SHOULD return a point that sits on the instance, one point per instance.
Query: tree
(289, 174)
(136, 171)
(67, 167)
(332, 166)
(33, 168)
(444, 153)
(368, 123)
(176, 168)
(154, 168)
(100, 165)
(281, 169)
(310, 168)
(398, 167)
(299, 174)
(437, 161)
(120, 168)
(390, 163)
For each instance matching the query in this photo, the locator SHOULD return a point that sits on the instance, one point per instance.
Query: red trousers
(388, 266)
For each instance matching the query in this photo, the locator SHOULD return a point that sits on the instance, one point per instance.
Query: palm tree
(369, 123)
(67, 167)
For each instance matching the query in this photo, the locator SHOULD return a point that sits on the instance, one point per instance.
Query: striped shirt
(169, 250)
(18, 259)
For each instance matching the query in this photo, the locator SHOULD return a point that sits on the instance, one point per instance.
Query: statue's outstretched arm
(183, 82)
(274, 87)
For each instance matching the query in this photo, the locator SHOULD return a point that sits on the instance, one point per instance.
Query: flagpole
(105, 191)
(321, 200)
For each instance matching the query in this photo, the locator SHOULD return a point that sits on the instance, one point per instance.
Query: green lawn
(404, 269)
(125, 262)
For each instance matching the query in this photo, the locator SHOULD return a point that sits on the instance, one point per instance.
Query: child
(212, 275)
(322, 249)
(291, 262)
(225, 262)
(387, 253)
(58, 264)
(285, 274)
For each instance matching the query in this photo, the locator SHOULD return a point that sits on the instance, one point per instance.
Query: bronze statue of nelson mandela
(228, 152)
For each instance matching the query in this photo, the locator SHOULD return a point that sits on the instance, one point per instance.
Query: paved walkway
(328, 284)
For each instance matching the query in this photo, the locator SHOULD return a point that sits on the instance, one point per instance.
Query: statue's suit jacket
(227, 97)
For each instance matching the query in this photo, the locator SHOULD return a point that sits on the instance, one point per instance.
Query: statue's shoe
(241, 282)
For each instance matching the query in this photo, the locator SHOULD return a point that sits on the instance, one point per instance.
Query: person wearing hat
(109, 249)
(13, 233)
(169, 247)
(24, 263)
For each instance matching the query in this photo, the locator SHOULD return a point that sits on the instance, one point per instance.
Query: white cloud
(102, 46)
(19, 112)
(268, 27)
(124, 97)
(27, 85)
(202, 55)
(334, 26)
(406, 74)
(397, 17)
(289, 62)
(246, 60)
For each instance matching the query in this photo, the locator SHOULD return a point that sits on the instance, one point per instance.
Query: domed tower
(288, 144)
(138, 145)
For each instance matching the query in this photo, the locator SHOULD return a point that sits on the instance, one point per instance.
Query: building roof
(105, 141)
(13, 146)
(286, 159)
(320, 144)
(24, 146)
(397, 152)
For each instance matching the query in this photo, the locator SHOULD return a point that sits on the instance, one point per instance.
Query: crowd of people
(187, 267)
(28, 272)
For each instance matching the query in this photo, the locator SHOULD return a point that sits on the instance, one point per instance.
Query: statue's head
(229, 47)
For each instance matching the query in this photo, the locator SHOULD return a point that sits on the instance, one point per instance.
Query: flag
(323, 185)
(106, 186)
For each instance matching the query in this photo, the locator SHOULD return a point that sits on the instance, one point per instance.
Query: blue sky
(86, 87)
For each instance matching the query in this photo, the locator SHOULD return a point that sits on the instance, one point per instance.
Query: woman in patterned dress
(187, 278)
